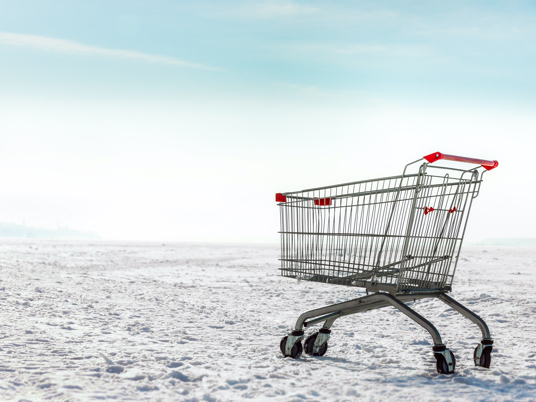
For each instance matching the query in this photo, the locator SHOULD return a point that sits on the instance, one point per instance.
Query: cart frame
(395, 277)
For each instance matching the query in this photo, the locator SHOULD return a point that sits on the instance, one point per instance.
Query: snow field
(186, 322)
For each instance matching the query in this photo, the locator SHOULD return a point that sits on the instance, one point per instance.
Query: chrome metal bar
(387, 190)
(411, 220)
(466, 313)
(323, 318)
(367, 235)
(350, 184)
(329, 322)
(389, 271)
(370, 302)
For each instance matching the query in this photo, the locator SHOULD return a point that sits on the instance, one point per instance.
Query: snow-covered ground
(146, 321)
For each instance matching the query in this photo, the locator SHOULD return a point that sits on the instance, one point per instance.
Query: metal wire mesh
(401, 232)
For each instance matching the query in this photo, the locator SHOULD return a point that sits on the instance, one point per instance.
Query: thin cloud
(71, 47)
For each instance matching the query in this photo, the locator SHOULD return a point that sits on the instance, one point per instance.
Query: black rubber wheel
(282, 345)
(485, 357)
(309, 344)
(442, 366)
(296, 350)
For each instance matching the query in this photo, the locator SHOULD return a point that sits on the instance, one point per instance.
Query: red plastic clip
(323, 201)
(428, 210)
(280, 198)
(452, 209)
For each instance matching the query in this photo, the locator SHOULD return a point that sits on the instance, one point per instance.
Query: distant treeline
(14, 230)
(522, 242)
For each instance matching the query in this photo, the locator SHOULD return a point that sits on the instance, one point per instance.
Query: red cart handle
(488, 165)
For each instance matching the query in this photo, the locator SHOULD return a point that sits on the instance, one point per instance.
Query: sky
(174, 120)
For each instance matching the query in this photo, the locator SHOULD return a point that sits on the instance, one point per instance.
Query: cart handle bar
(488, 165)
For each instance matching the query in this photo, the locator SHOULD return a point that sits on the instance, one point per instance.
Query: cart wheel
(296, 350)
(309, 344)
(441, 363)
(485, 357)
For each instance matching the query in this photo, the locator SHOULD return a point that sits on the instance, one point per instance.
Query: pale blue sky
(179, 120)
(478, 51)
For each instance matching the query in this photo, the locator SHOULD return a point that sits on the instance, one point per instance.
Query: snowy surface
(145, 321)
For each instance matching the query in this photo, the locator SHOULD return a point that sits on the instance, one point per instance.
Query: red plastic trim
(486, 164)
(434, 157)
(323, 201)
(280, 198)
(495, 164)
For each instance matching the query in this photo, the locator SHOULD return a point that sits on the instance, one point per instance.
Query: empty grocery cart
(398, 237)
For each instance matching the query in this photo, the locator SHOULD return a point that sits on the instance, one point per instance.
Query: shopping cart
(398, 237)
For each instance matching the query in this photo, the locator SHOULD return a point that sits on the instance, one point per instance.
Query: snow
(147, 321)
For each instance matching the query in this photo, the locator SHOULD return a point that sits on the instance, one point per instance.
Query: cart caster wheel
(442, 365)
(296, 350)
(310, 343)
(485, 354)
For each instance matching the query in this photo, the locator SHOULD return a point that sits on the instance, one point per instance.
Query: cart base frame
(291, 344)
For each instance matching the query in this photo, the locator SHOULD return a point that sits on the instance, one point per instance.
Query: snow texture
(202, 322)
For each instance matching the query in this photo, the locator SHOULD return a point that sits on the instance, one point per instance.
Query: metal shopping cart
(398, 237)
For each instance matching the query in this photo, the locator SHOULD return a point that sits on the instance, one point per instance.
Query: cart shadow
(409, 380)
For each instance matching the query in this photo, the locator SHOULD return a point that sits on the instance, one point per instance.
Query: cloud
(271, 9)
(71, 47)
